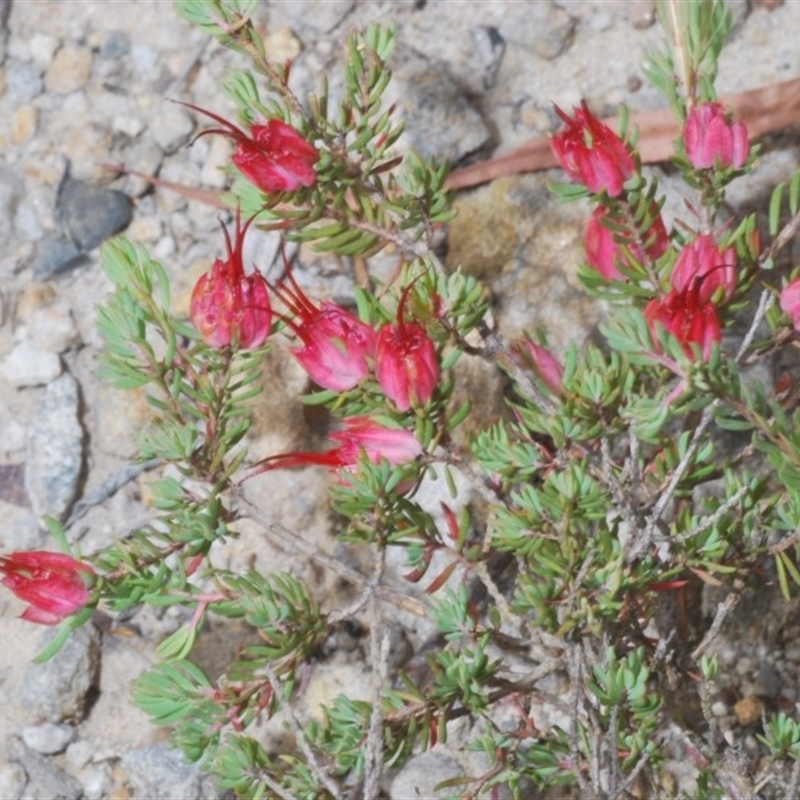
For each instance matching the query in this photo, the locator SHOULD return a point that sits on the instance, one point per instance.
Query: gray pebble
(54, 254)
(48, 738)
(54, 453)
(45, 778)
(30, 365)
(91, 214)
(12, 187)
(13, 779)
(441, 122)
(160, 772)
(58, 690)
(422, 773)
(171, 128)
(23, 81)
(116, 45)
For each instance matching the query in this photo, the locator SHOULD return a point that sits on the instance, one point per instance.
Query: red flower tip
(790, 302)
(713, 140)
(337, 346)
(591, 153)
(54, 584)
(688, 316)
(713, 269)
(228, 306)
(274, 156)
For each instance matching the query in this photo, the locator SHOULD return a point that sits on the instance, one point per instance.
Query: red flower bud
(712, 139)
(359, 435)
(790, 301)
(229, 307)
(603, 246)
(52, 583)
(337, 347)
(406, 364)
(274, 157)
(544, 363)
(591, 153)
(689, 317)
(713, 269)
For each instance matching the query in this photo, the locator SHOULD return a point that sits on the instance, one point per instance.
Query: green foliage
(646, 468)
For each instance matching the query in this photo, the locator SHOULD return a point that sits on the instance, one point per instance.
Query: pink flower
(274, 157)
(790, 301)
(713, 140)
(690, 318)
(229, 307)
(52, 583)
(406, 364)
(337, 347)
(712, 269)
(591, 153)
(359, 435)
(544, 363)
(603, 246)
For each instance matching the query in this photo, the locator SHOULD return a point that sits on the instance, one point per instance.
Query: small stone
(30, 365)
(127, 124)
(58, 689)
(282, 46)
(48, 738)
(54, 453)
(171, 128)
(45, 778)
(719, 708)
(421, 774)
(748, 710)
(69, 71)
(161, 772)
(12, 189)
(13, 779)
(53, 328)
(54, 254)
(116, 45)
(43, 48)
(23, 124)
(218, 157)
(23, 81)
(91, 214)
(553, 29)
(641, 13)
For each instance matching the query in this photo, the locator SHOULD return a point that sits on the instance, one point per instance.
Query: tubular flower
(603, 250)
(229, 307)
(544, 363)
(790, 301)
(713, 270)
(274, 157)
(359, 435)
(52, 583)
(406, 364)
(689, 317)
(591, 153)
(337, 347)
(712, 139)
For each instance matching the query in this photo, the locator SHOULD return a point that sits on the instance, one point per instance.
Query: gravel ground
(85, 84)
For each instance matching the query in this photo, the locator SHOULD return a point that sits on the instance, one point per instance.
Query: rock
(23, 124)
(642, 14)
(43, 48)
(116, 45)
(45, 778)
(748, 710)
(30, 365)
(91, 214)
(54, 453)
(59, 689)
(48, 738)
(421, 774)
(54, 254)
(160, 772)
(52, 328)
(23, 81)
(69, 71)
(12, 188)
(441, 122)
(171, 128)
(13, 780)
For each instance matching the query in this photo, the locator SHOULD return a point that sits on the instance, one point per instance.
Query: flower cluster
(712, 140)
